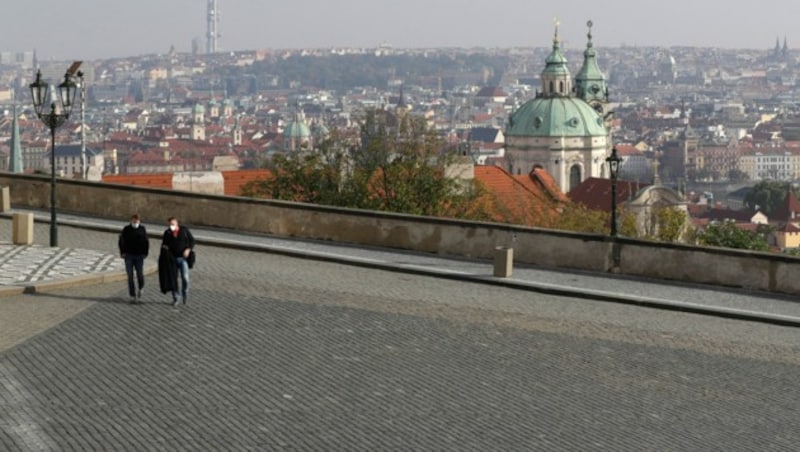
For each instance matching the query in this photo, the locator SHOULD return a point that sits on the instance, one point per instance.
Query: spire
(15, 163)
(401, 103)
(656, 177)
(590, 83)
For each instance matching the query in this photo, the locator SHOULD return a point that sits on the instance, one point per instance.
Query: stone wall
(733, 268)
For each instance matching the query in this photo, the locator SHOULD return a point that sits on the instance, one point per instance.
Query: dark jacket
(176, 245)
(167, 271)
(134, 241)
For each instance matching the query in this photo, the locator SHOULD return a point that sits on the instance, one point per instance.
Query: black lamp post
(613, 165)
(40, 92)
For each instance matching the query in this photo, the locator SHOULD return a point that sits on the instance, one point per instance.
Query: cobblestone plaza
(280, 353)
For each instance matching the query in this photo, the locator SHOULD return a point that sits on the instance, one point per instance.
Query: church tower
(198, 123)
(296, 134)
(237, 133)
(590, 83)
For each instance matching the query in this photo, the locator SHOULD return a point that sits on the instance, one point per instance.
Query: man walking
(178, 242)
(134, 247)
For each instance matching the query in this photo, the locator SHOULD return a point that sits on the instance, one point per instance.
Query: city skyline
(107, 29)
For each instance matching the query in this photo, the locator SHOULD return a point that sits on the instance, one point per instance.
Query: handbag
(190, 259)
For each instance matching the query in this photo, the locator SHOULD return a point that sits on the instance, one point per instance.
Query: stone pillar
(22, 228)
(503, 261)
(5, 199)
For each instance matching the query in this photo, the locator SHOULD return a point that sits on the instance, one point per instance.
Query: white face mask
(134, 225)
(173, 227)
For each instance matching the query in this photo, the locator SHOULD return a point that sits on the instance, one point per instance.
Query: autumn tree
(578, 218)
(670, 224)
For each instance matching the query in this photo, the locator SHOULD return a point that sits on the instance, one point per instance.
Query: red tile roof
(235, 180)
(160, 180)
(531, 200)
(595, 193)
(790, 209)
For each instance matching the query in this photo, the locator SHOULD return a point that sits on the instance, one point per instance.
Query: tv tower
(212, 27)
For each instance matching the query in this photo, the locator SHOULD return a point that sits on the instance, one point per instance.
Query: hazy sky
(91, 29)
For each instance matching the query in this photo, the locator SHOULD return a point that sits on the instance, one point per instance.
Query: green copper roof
(556, 63)
(296, 129)
(556, 116)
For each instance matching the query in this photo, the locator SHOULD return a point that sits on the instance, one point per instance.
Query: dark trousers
(134, 262)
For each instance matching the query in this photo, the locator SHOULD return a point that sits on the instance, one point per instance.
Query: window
(574, 176)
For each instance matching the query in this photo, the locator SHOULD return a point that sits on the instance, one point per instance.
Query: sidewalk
(67, 267)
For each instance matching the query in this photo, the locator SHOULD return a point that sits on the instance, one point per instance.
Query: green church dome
(556, 117)
(296, 129)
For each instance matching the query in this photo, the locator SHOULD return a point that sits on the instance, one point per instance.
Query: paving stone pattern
(274, 353)
(20, 265)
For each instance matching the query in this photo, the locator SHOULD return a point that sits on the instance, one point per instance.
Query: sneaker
(175, 302)
(185, 299)
(132, 300)
(139, 294)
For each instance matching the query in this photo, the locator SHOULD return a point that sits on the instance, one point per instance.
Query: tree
(670, 224)
(578, 218)
(727, 234)
(736, 175)
(767, 196)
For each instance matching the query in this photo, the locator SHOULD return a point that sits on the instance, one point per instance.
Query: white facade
(780, 165)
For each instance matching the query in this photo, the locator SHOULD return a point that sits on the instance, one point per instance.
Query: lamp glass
(40, 92)
(613, 163)
(67, 91)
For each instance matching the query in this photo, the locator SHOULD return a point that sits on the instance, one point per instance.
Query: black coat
(134, 241)
(167, 271)
(177, 245)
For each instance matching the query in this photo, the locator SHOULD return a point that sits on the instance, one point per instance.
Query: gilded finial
(556, 23)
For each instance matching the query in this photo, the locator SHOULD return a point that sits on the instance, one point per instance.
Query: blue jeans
(183, 271)
(134, 262)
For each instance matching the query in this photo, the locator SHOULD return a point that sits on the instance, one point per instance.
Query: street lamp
(40, 92)
(613, 165)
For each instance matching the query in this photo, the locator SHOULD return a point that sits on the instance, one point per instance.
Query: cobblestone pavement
(21, 265)
(279, 353)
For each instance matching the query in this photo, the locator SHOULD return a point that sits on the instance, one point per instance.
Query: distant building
(770, 163)
(69, 164)
(635, 165)
(562, 130)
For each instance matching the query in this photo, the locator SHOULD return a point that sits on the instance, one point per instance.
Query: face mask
(134, 225)
(173, 227)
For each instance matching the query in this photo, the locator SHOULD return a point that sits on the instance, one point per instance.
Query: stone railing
(732, 268)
